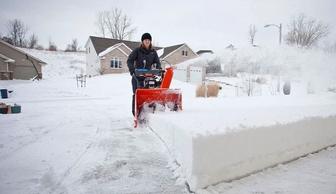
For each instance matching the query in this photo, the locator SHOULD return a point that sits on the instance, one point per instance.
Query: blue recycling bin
(4, 93)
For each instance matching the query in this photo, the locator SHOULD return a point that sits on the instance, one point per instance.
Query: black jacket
(142, 58)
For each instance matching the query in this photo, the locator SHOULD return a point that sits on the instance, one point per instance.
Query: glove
(131, 73)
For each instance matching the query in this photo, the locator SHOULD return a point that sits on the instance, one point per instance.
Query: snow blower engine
(154, 89)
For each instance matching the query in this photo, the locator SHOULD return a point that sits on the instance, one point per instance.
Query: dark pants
(136, 83)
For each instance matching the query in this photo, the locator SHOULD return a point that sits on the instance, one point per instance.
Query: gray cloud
(201, 24)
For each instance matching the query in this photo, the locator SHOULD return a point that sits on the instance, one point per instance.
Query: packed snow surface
(81, 140)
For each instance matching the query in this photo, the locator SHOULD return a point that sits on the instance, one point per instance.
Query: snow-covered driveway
(69, 140)
(81, 140)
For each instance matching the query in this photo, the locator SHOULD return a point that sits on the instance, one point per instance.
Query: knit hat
(146, 36)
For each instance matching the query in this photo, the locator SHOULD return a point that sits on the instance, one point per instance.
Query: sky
(202, 24)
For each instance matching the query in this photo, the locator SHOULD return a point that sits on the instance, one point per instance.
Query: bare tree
(32, 42)
(73, 47)
(17, 31)
(252, 32)
(306, 32)
(214, 66)
(230, 69)
(52, 46)
(100, 23)
(115, 24)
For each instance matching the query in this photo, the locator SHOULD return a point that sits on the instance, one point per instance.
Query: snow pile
(221, 139)
(60, 64)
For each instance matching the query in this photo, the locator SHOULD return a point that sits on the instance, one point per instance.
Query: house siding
(176, 57)
(3, 66)
(105, 61)
(11, 67)
(92, 60)
(24, 72)
(23, 68)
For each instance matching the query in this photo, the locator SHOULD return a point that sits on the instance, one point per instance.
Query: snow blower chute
(154, 89)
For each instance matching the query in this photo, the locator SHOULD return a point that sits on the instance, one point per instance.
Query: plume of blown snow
(313, 66)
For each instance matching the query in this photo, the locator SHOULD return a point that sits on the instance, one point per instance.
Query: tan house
(105, 55)
(177, 54)
(17, 64)
(6, 68)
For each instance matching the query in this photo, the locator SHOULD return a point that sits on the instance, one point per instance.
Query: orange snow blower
(154, 89)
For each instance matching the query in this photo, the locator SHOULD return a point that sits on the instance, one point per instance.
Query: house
(230, 47)
(201, 52)
(177, 54)
(105, 55)
(17, 64)
(6, 68)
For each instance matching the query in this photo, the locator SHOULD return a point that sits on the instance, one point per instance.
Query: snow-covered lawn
(82, 140)
(60, 64)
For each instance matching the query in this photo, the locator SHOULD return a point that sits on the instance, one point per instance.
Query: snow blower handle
(167, 78)
(148, 72)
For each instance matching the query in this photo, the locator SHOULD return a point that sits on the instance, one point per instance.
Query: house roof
(21, 51)
(204, 51)
(170, 49)
(100, 44)
(230, 46)
(6, 59)
(109, 49)
(104, 44)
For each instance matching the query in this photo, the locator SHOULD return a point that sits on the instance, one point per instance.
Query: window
(116, 63)
(184, 53)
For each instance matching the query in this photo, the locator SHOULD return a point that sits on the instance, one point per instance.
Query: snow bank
(243, 135)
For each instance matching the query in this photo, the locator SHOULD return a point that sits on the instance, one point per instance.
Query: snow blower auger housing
(154, 89)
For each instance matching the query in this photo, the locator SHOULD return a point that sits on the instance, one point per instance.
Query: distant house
(201, 52)
(230, 47)
(17, 64)
(177, 54)
(105, 55)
